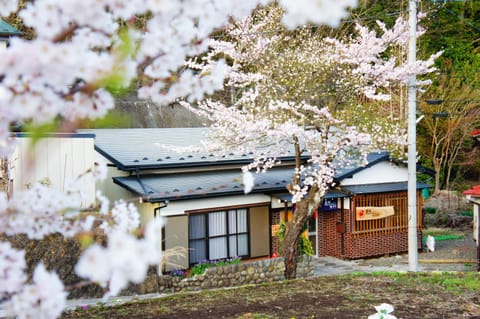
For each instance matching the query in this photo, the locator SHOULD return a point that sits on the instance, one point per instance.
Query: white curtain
(217, 224)
(242, 220)
(232, 242)
(225, 239)
(218, 248)
(237, 223)
(232, 221)
(242, 245)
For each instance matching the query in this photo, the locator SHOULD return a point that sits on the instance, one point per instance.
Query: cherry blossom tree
(301, 94)
(81, 52)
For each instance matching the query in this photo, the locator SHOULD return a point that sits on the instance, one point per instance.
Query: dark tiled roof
(129, 149)
(381, 188)
(156, 187)
(332, 193)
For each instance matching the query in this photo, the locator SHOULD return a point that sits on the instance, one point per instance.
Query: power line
(460, 18)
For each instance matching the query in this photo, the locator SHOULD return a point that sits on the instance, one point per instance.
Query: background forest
(449, 107)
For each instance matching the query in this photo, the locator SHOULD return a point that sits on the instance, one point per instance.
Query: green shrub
(468, 213)
(304, 244)
(199, 269)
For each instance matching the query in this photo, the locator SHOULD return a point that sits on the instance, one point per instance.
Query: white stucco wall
(180, 207)
(383, 172)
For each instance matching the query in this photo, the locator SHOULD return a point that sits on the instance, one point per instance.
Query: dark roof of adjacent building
(381, 188)
(139, 149)
(6, 30)
(162, 187)
(144, 148)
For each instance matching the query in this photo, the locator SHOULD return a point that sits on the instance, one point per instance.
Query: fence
(396, 223)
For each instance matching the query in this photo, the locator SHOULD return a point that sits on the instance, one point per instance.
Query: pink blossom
(64, 70)
(12, 276)
(44, 298)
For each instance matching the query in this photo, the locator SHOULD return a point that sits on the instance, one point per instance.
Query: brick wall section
(360, 245)
(275, 249)
(329, 241)
(378, 245)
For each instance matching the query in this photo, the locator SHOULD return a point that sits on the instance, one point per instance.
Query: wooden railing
(391, 224)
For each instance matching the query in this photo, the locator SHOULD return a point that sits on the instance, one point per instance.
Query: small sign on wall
(369, 213)
(329, 204)
(275, 230)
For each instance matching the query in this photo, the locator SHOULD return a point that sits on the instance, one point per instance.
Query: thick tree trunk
(303, 210)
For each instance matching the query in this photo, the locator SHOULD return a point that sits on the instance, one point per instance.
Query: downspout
(157, 209)
(137, 174)
(342, 219)
(156, 212)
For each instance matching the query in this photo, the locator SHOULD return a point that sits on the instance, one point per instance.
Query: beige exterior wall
(110, 190)
(115, 192)
(259, 231)
(176, 242)
(60, 160)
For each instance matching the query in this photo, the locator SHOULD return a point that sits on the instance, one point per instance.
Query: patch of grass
(199, 269)
(455, 282)
(468, 213)
(250, 315)
(442, 234)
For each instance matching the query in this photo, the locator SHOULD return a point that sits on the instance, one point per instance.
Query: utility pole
(412, 141)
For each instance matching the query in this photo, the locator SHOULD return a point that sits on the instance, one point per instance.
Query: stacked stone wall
(257, 272)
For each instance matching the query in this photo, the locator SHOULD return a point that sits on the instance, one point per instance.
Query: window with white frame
(218, 235)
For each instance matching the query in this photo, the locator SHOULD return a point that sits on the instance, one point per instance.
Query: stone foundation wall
(60, 254)
(261, 271)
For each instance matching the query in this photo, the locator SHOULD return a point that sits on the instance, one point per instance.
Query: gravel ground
(454, 254)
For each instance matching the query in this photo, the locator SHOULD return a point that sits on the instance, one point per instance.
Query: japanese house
(202, 198)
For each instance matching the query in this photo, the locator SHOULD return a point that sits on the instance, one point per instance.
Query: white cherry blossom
(12, 276)
(43, 298)
(78, 56)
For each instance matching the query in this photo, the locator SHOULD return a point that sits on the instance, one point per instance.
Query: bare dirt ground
(414, 295)
(419, 295)
(452, 255)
